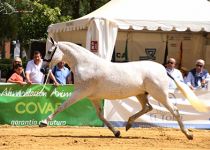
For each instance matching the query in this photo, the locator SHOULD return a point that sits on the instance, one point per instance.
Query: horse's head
(52, 57)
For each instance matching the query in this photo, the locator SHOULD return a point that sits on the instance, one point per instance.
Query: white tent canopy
(167, 15)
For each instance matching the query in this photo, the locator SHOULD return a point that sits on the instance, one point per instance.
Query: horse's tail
(190, 95)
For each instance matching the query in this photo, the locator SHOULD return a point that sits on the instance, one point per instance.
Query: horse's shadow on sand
(93, 137)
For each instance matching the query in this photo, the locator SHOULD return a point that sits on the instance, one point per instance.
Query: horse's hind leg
(99, 112)
(160, 93)
(174, 111)
(146, 107)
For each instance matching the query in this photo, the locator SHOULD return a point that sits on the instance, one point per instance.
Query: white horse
(96, 79)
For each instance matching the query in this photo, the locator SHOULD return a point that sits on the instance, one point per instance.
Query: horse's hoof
(117, 134)
(42, 124)
(190, 137)
(128, 126)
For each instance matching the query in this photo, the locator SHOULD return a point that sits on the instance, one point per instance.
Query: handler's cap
(200, 62)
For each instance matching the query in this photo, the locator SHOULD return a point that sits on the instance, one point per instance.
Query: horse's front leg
(76, 95)
(99, 112)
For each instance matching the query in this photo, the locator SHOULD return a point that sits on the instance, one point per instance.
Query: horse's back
(144, 68)
(127, 79)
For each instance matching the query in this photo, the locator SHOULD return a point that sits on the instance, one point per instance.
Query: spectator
(17, 60)
(198, 76)
(72, 74)
(62, 73)
(170, 67)
(16, 76)
(33, 73)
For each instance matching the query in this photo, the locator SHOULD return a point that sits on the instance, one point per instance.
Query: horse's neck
(74, 55)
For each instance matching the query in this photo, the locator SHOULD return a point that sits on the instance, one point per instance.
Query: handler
(170, 67)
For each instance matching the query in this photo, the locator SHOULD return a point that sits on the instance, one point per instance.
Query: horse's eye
(49, 52)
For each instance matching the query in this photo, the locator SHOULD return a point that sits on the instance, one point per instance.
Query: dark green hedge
(4, 69)
(5, 61)
(5, 65)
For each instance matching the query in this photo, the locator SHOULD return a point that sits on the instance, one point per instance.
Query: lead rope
(46, 80)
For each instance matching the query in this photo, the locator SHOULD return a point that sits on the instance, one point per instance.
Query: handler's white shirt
(36, 76)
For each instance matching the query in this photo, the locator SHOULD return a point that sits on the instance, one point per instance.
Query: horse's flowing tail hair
(190, 95)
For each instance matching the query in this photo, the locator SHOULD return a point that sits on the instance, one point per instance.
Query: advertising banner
(27, 105)
(118, 112)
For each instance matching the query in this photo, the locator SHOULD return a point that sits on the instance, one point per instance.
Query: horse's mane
(80, 49)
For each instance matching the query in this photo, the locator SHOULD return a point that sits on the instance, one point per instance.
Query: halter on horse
(96, 79)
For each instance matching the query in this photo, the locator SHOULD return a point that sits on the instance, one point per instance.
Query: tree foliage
(29, 19)
(34, 25)
(8, 27)
(75, 8)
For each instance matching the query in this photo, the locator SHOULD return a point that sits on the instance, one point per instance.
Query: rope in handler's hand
(48, 74)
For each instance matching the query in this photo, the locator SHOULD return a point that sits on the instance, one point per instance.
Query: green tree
(8, 26)
(29, 19)
(8, 22)
(75, 8)
(34, 25)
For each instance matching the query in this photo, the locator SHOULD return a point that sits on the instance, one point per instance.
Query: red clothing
(16, 77)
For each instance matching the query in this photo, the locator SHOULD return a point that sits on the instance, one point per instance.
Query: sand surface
(100, 138)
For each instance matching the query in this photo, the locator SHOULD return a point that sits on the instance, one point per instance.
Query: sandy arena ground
(84, 138)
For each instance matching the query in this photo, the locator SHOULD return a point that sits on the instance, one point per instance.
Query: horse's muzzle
(45, 71)
(45, 68)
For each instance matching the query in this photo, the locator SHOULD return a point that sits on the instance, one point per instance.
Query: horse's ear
(51, 39)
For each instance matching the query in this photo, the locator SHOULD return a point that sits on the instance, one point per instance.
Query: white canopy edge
(164, 25)
(82, 24)
(68, 26)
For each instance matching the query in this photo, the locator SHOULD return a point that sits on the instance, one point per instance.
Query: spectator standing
(62, 73)
(17, 60)
(33, 72)
(16, 76)
(198, 76)
(170, 67)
